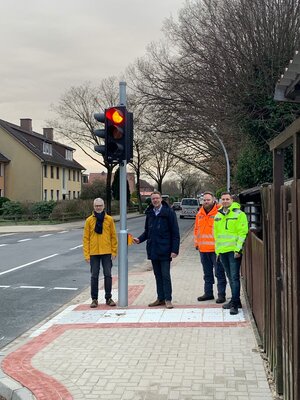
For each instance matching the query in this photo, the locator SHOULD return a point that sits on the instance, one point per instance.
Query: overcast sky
(47, 46)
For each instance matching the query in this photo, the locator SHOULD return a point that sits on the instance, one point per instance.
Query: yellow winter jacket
(97, 244)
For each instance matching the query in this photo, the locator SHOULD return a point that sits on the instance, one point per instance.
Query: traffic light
(117, 134)
(115, 123)
(100, 117)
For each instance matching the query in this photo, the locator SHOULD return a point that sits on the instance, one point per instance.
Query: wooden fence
(271, 268)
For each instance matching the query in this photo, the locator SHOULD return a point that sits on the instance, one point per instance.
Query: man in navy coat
(163, 239)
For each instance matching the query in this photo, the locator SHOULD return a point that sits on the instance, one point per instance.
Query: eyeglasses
(99, 205)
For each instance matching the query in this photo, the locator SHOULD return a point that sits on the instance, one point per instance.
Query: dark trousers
(232, 268)
(105, 259)
(211, 265)
(161, 269)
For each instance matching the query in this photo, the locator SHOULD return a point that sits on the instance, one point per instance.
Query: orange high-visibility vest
(203, 230)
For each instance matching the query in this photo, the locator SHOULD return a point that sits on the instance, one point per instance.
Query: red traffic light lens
(115, 115)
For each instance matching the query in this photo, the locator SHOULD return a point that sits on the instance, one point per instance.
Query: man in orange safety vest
(205, 243)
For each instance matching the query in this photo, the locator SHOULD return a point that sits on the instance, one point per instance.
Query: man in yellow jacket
(100, 245)
(204, 242)
(230, 231)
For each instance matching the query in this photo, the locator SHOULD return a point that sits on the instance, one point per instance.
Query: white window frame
(47, 148)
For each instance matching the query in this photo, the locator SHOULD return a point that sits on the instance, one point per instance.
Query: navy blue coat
(161, 233)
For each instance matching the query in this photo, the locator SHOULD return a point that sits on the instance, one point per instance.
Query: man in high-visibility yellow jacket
(100, 246)
(230, 232)
(204, 242)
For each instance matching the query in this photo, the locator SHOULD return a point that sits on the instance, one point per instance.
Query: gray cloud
(48, 46)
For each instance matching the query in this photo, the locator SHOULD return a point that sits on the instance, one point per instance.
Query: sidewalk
(192, 352)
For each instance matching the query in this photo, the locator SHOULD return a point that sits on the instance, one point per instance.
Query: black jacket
(161, 233)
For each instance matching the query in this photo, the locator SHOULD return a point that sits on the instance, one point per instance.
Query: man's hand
(113, 257)
(87, 260)
(196, 247)
(237, 255)
(136, 240)
(174, 255)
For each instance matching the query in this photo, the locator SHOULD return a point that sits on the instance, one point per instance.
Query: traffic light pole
(123, 247)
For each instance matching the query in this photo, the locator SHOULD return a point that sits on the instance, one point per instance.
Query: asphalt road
(41, 271)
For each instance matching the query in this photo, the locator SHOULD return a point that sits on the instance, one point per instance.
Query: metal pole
(123, 249)
(226, 158)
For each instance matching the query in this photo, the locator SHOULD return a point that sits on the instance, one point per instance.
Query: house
(34, 167)
(101, 176)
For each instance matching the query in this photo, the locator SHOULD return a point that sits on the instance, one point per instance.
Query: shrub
(42, 209)
(12, 208)
(2, 201)
(81, 208)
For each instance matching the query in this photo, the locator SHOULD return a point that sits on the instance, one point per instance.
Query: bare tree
(219, 67)
(75, 121)
(161, 161)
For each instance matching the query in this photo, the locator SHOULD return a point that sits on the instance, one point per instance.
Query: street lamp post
(214, 131)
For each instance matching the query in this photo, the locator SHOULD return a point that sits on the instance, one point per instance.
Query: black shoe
(205, 297)
(234, 310)
(228, 305)
(221, 299)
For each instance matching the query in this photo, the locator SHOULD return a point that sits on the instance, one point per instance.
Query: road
(41, 271)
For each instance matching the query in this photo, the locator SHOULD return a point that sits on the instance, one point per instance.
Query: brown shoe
(94, 303)
(110, 302)
(157, 303)
(169, 304)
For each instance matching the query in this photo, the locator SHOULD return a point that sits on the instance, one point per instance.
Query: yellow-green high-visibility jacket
(230, 230)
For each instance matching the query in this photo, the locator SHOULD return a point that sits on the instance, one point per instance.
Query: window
(69, 174)
(74, 195)
(1, 169)
(45, 194)
(64, 178)
(57, 195)
(52, 171)
(74, 175)
(69, 154)
(69, 194)
(47, 148)
(57, 172)
(51, 195)
(45, 171)
(78, 195)
(78, 176)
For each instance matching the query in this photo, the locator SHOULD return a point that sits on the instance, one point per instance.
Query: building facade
(35, 167)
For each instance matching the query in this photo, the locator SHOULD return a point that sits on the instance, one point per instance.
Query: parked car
(176, 206)
(189, 207)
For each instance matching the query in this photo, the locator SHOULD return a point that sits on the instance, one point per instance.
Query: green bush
(2, 201)
(42, 209)
(12, 208)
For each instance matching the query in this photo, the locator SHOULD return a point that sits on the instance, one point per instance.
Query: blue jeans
(232, 268)
(105, 259)
(161, 269)
(209, 263)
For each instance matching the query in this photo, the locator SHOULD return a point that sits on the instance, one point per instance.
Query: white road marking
(27, 264)
(4, 286)
(65, 288)
(24, 240)
(48, 234)
(76, 247)
(31, 287)
(7, 234)
(3, 244)
(63, 232)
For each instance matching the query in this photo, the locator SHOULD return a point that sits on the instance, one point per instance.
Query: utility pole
(123, 248)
